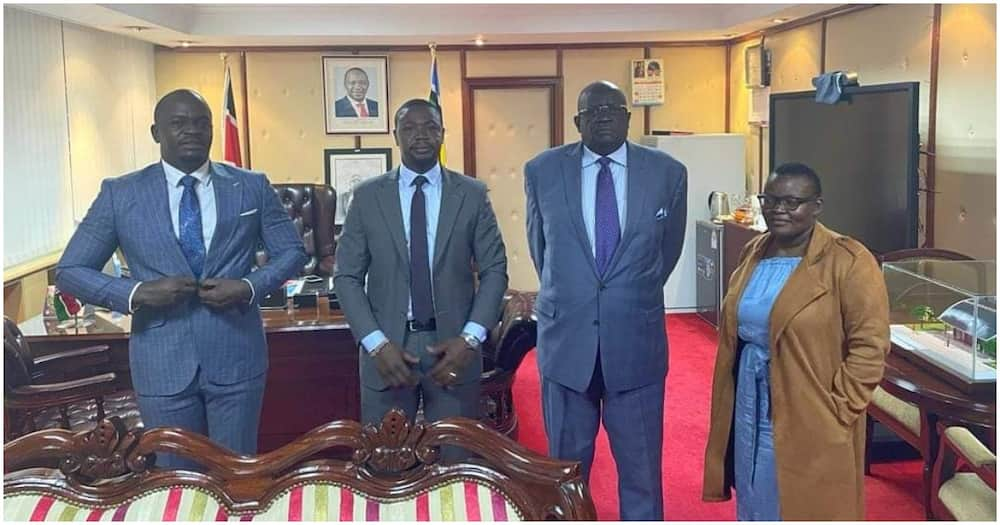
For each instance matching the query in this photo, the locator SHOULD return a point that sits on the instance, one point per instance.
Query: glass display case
(943, 316)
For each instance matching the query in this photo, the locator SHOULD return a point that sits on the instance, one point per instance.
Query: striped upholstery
(461, 500)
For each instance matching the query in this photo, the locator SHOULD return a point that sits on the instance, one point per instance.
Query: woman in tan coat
(802, 345)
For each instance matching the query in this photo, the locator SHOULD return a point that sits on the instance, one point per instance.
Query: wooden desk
(312, 378)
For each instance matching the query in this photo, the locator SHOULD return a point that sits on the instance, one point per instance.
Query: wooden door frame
(469, 87)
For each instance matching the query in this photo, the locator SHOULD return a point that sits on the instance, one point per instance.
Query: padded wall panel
(695, 90)
(965, 218)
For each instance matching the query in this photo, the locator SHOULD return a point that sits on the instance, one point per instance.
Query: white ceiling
(330, 24)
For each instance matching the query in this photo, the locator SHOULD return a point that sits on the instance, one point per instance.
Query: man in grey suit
(605, 228)
(405, 278)
(189, 229)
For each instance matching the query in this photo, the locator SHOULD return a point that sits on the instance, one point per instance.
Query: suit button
(596, 322)
(602, 287)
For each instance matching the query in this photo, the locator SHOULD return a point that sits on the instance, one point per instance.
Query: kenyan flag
(66, 305)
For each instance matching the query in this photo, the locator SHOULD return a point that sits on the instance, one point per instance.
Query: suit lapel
(388, 202)
(572, 179)
(153, 198)
(228, 191)
(803, 287)
(452, 196)
(637, 189)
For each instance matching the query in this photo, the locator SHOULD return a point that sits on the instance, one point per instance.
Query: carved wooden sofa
(513, 337)
(394, 474)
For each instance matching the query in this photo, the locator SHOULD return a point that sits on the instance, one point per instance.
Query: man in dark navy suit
(356, 103)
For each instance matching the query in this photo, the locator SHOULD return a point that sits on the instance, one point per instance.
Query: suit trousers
(438, 402)
(227, 414)
(633, 420)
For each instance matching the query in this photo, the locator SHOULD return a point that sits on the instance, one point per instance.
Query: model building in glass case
(943, 314)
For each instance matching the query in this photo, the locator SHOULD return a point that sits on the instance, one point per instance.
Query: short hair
(798, 169)
(414, 102)
(358, 69)
(176, 94)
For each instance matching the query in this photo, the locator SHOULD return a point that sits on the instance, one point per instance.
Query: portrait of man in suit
(605, 222)
(356, 102)
(189, 228)
(405, 278)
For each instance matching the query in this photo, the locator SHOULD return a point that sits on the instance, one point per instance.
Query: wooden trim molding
(441, 48)
(469, 87)
(35, 265)
(728, 88)
(931, 181)
(468, 133)
(246, 109)
(647, 117)
(822, 46)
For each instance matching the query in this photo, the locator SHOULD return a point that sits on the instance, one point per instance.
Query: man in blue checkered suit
(189, 229)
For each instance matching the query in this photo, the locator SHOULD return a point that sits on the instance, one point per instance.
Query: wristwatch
(471, 341)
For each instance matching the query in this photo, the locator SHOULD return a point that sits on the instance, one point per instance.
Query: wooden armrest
(53, 394)
(98, 350)
(969, 447)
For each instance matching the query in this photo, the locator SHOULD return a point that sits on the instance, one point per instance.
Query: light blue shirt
(432, 201)
(619, 174)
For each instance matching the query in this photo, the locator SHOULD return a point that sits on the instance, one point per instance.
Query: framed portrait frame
(356, 94)
(346, 168)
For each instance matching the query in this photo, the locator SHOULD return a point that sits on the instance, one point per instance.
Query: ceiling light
(479, 41)
(137, 28)
(779, 20)
(184, 43)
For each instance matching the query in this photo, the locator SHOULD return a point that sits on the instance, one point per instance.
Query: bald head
(602, 89)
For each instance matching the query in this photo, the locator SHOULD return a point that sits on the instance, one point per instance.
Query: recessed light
(779, 20)
(729, 35)
(184, 43)
(137, 28)
(479, 41)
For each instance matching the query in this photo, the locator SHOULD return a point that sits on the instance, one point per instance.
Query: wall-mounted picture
(356, 94)
(346, 168)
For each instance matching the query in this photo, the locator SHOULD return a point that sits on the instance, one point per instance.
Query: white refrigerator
(715, 162)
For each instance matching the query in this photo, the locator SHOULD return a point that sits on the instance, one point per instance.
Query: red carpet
(892, 489)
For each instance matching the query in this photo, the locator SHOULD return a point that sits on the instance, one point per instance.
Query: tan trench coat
(829, 339)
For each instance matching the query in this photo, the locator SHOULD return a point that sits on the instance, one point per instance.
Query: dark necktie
(420, 267)
(607, 230)
(189, 224)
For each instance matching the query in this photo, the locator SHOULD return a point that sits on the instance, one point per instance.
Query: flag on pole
(435, 96)
(230, 133)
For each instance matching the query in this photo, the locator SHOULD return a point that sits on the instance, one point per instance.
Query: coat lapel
(228, 191)
(572, 179)
(452, 196)
(803, 287)
(388, 203)
(636, 199)
(153, 198)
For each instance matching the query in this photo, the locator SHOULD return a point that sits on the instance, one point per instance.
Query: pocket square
(248, 212)
(661, 214)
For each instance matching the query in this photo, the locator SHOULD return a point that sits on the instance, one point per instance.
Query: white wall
(77, 108)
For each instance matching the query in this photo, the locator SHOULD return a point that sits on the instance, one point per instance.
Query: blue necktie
(607, 230)
(420, 267)
(189, 221)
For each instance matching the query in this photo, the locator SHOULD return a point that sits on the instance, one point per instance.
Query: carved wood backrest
(17, 357)
(396, 460)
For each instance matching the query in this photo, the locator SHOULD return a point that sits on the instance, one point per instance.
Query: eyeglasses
(613, 110)
(786, 203)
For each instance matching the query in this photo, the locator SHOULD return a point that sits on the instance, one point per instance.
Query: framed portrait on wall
(346, 168)
(356, 94)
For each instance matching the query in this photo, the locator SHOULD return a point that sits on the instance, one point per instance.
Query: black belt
(418, 326)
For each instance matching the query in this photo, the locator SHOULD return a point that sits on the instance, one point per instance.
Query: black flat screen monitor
(865, 149)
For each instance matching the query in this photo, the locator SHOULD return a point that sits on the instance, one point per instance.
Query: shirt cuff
(373, 340)
(131, 294)
(253, 292)
(475, 330)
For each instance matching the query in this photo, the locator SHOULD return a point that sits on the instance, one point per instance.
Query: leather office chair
(905, 419)
(312, 208)
(964, 496)
(513, 337)
(70, 389)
